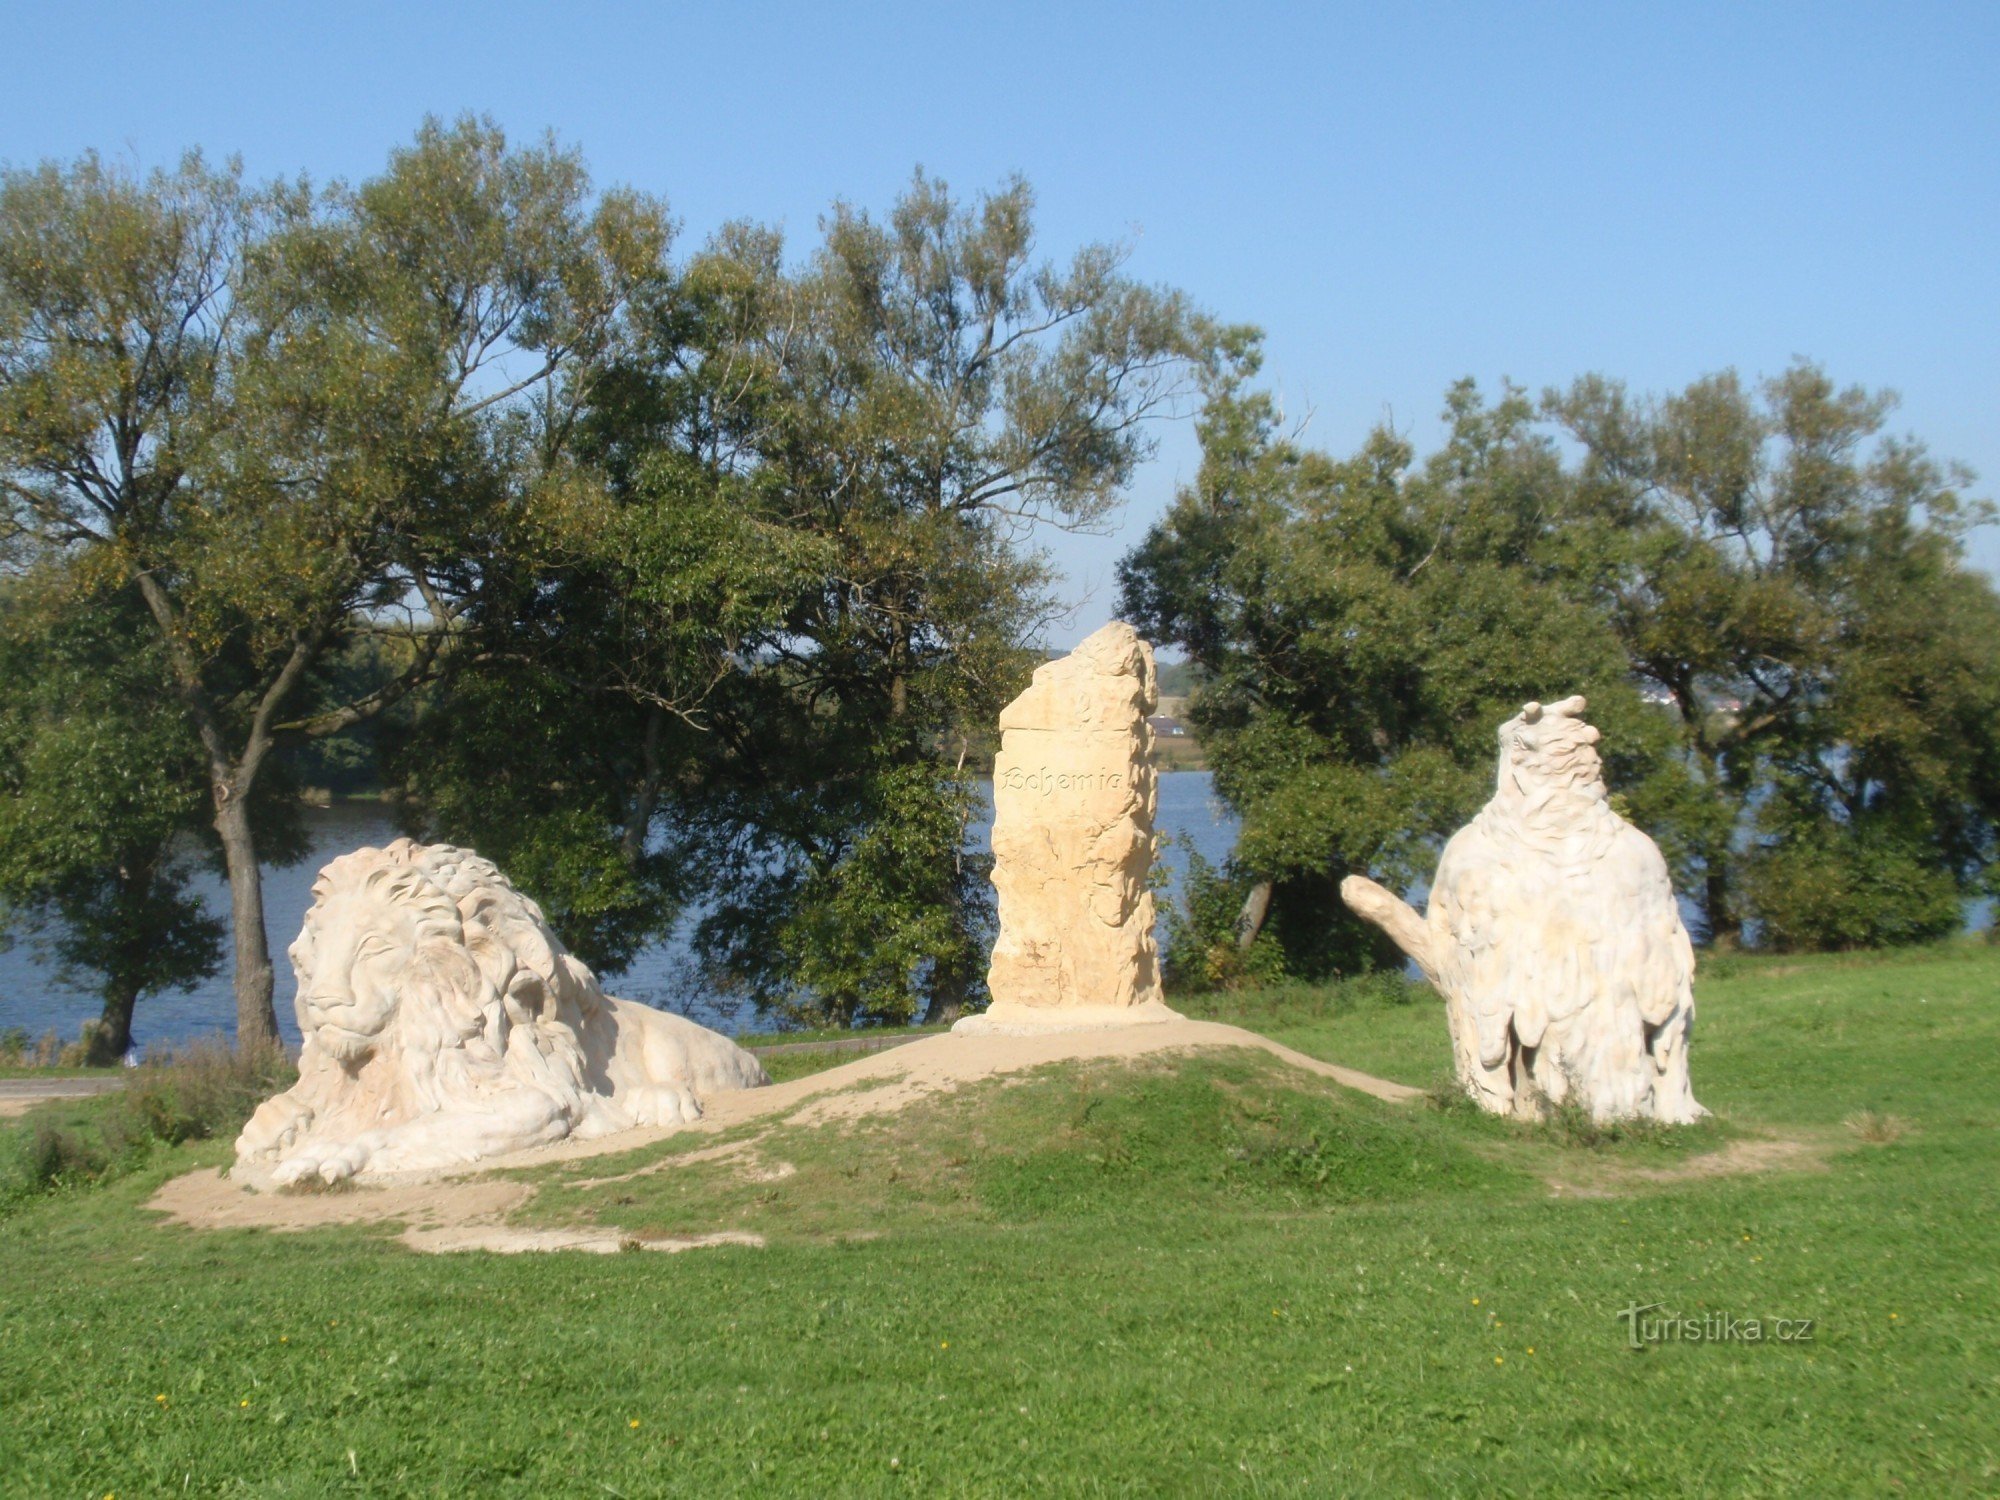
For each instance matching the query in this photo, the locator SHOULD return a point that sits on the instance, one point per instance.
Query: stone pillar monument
(1073, 801)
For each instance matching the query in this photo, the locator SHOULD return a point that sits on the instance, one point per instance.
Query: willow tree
(289, 417)
(931, 398)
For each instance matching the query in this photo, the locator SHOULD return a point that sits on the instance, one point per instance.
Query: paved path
(58, 1088)
(19, 1095)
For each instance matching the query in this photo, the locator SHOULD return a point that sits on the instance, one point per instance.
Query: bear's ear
(1531, 713)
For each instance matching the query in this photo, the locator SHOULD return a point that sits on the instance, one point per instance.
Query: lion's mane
(489, 999)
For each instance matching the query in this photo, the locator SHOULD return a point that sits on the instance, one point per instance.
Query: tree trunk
(1250, 921)
(113, 1036)
(947, 1002)
(1724, 931)
(951, 985)
(646, 799)
(256, 1019)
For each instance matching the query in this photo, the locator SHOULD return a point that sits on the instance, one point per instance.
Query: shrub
(204, 1091)
(1203, 953)
(1844, 885)
(51, 1154)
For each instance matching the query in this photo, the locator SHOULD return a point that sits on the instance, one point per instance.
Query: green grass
(1211, 1277)
(198, 1092)
(1236, 1132)
(755, 1039)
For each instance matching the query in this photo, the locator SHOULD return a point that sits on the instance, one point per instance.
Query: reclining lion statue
(444, 1023)
(1554, 937)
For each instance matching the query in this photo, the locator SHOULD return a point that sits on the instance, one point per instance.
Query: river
(34, 997)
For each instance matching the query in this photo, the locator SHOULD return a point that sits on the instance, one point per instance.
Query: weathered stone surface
(1073, 803)
(1553, 934)
(444, 1023)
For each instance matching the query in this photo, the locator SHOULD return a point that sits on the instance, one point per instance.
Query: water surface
(33, 996)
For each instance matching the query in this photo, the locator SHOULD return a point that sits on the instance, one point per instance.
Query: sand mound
(466, 1208)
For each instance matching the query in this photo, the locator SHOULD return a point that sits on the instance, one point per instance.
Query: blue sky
(1400, 195)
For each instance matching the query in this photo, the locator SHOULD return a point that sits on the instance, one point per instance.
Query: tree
(929, 395)
(1796, 584)
(608, 626)
(100, 805)
(1361, 626)
(289, 418)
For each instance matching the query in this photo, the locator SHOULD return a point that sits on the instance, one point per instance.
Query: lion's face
(351, 961)
(424, 956)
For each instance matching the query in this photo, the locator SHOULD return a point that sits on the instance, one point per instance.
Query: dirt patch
(1762, 1154)
(501, 1240)
(208, 1200)
(1739, 1158)
(466, 1209)
(727, 1152)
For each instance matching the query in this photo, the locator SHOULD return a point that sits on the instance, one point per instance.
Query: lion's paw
(277, 1126)
(295, 1169)
(664, 1104)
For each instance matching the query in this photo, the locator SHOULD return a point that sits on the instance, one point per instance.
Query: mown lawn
(1210, 1277)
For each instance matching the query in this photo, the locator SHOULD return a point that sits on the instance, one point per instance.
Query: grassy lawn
(1215, 1275)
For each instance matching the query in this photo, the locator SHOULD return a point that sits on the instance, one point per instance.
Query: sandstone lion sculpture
(445, 1023)
(1554, 937)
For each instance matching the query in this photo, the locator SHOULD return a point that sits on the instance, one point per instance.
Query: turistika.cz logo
(1653, 1324)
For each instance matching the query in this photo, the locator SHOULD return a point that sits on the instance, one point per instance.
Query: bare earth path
(463, 1209)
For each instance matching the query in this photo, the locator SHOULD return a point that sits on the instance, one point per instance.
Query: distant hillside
(1178, 679)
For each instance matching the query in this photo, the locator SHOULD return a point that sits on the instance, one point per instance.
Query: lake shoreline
(35, 999)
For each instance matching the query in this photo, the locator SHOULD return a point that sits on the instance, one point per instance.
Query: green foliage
(1361, 626)
(1840, 885)
(1796, 582)
(925, 393)
(1177, 679)
(1790, 584)
(100, 806)
(200, 1092)
(508, 765)
(867, 930)
(1202, 949)
(294, 420)
(736, 661)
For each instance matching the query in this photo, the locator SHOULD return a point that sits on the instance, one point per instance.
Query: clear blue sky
(1399, 195)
